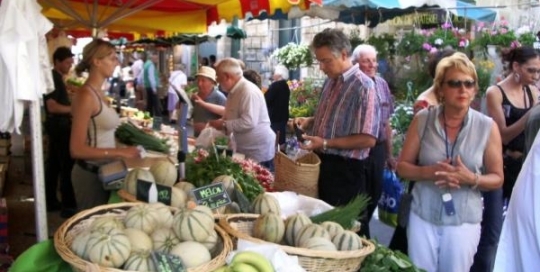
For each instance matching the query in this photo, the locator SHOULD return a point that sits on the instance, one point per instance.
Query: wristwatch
(324, 144)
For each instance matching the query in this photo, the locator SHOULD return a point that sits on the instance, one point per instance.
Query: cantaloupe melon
(192, 253)
(105, 223)
(265, 203)
(308, 231)
(193, 223)
(164, 172)
(269, 227)
(130, 181)
(140, 260)
(164, 216)
(347, 240)
(293, 224)
(164, 240)
(79, 244)
(333, 228)
(185, 186)
(318, 243)
(109, 249)
(141, 217)
(138, 239)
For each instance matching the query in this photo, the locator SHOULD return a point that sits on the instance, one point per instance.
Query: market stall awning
(171, 16)
(186, 39)
(373, 12)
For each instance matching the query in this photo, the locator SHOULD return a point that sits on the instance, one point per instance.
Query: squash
(105, 223)
(164, 216)
(192, 253)
(293, 224)
(332, 227)
(164, 240)
(130, 181)
(193, 223)
(347, 240)
(318, 243)
(138, 239)
(269, 227)
(265, 203)
(141, 217)
(164, 172)
(308, 231)
(109, 249)
(79, 244)
(140, 260)
(185, 186)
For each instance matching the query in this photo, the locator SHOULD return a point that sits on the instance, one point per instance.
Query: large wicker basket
(240, 226)
(299, 176)
(75, 225)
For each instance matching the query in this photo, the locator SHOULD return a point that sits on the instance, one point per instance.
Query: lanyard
(450, 151)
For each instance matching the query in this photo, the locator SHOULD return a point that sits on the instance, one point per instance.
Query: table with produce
(214, 211)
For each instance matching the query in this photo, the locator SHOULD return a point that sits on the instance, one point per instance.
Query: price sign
(151, 192)
(213, 196)
(167, 263)
(156, 123)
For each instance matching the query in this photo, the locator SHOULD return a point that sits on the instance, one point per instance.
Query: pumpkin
(193, 223)
(333, 228)
(79, 244)
(164, 216)
(269, 227)
(105, 223)
(138, 239)
(265, 203)
(185, 186)
(109, 249)
(164, 240)
(130, 181)
(140, 260)
(192, 253)
(318, 243)
(141, 217)
(293, 224)
(347, 240)
(164, 172)
(308, 231)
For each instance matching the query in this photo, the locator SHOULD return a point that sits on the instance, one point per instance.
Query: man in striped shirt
(346, 122)
(381, 154)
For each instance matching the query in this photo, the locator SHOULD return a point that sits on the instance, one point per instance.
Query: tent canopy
(151, 16)
(374, 12)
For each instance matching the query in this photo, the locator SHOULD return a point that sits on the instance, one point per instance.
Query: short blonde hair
(457, 61)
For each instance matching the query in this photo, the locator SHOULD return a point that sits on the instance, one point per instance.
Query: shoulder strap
(529, 94)
(428, 118)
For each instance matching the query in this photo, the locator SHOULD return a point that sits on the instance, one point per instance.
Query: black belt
(87, 166)
(338, 158)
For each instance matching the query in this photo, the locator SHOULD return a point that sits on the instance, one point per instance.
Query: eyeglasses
(459, 83)
(532, 70)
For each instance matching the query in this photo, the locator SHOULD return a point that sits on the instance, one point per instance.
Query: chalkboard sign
(213, 196)
(151, 192)
(167, 263)
(156, 123)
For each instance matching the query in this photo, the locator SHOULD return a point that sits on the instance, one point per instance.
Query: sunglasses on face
(460, 83)
(532, 70)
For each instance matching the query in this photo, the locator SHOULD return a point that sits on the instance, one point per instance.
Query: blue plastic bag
(388, 204)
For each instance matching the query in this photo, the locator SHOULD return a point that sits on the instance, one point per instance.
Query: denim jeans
(492, 221)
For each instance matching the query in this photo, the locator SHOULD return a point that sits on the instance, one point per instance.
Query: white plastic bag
(207, 136)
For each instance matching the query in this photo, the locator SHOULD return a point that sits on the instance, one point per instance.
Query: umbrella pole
(42, 233)
(95, 32)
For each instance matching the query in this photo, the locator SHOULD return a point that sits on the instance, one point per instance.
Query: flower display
(484, 69)
(293, 56)
(498, 34)
(304, 97)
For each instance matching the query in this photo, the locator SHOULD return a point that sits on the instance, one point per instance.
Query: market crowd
(464, 163)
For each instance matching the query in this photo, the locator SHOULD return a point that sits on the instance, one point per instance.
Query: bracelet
(324, 144)
(476, 181)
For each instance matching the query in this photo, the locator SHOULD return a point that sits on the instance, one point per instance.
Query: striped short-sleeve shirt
(386, 103)
(349, 105)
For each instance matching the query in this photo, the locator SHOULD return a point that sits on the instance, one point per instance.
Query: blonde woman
(94, 123)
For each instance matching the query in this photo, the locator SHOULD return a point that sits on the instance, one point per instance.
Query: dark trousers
(341, 180)
(59, 165)
(492, 221)
(374, 179)
(282, 128)
(152, 103)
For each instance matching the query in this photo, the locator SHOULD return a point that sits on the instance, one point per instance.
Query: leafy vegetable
(384, 259)
(344, 215)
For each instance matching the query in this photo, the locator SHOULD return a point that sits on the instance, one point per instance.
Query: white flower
(439, 41)
(523, 30)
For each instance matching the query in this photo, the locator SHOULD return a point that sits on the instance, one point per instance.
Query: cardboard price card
(213, 196)
(167, 263)
(151, 192)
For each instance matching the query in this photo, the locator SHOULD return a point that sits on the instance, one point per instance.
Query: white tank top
(102, 126)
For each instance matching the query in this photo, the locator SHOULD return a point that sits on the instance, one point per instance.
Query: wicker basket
(299, 176)
(64, 236)
(240, 226)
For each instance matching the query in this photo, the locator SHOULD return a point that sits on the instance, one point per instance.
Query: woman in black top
(508, 103)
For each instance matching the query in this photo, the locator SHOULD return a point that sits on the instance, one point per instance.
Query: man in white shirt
(245, 114)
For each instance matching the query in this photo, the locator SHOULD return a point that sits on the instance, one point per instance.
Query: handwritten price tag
(213, 196)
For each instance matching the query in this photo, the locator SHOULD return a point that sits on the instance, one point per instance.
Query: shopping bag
(390, 198)
(207, 137)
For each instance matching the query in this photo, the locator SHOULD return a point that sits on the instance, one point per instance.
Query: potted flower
(294, 56)
(497, 35)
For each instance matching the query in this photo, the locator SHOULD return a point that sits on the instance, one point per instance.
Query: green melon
(347, 240)
(269, 227)
(164, 172)
(265, 203)
(293, 224)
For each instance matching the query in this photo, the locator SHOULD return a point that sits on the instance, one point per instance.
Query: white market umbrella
(25, 76)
